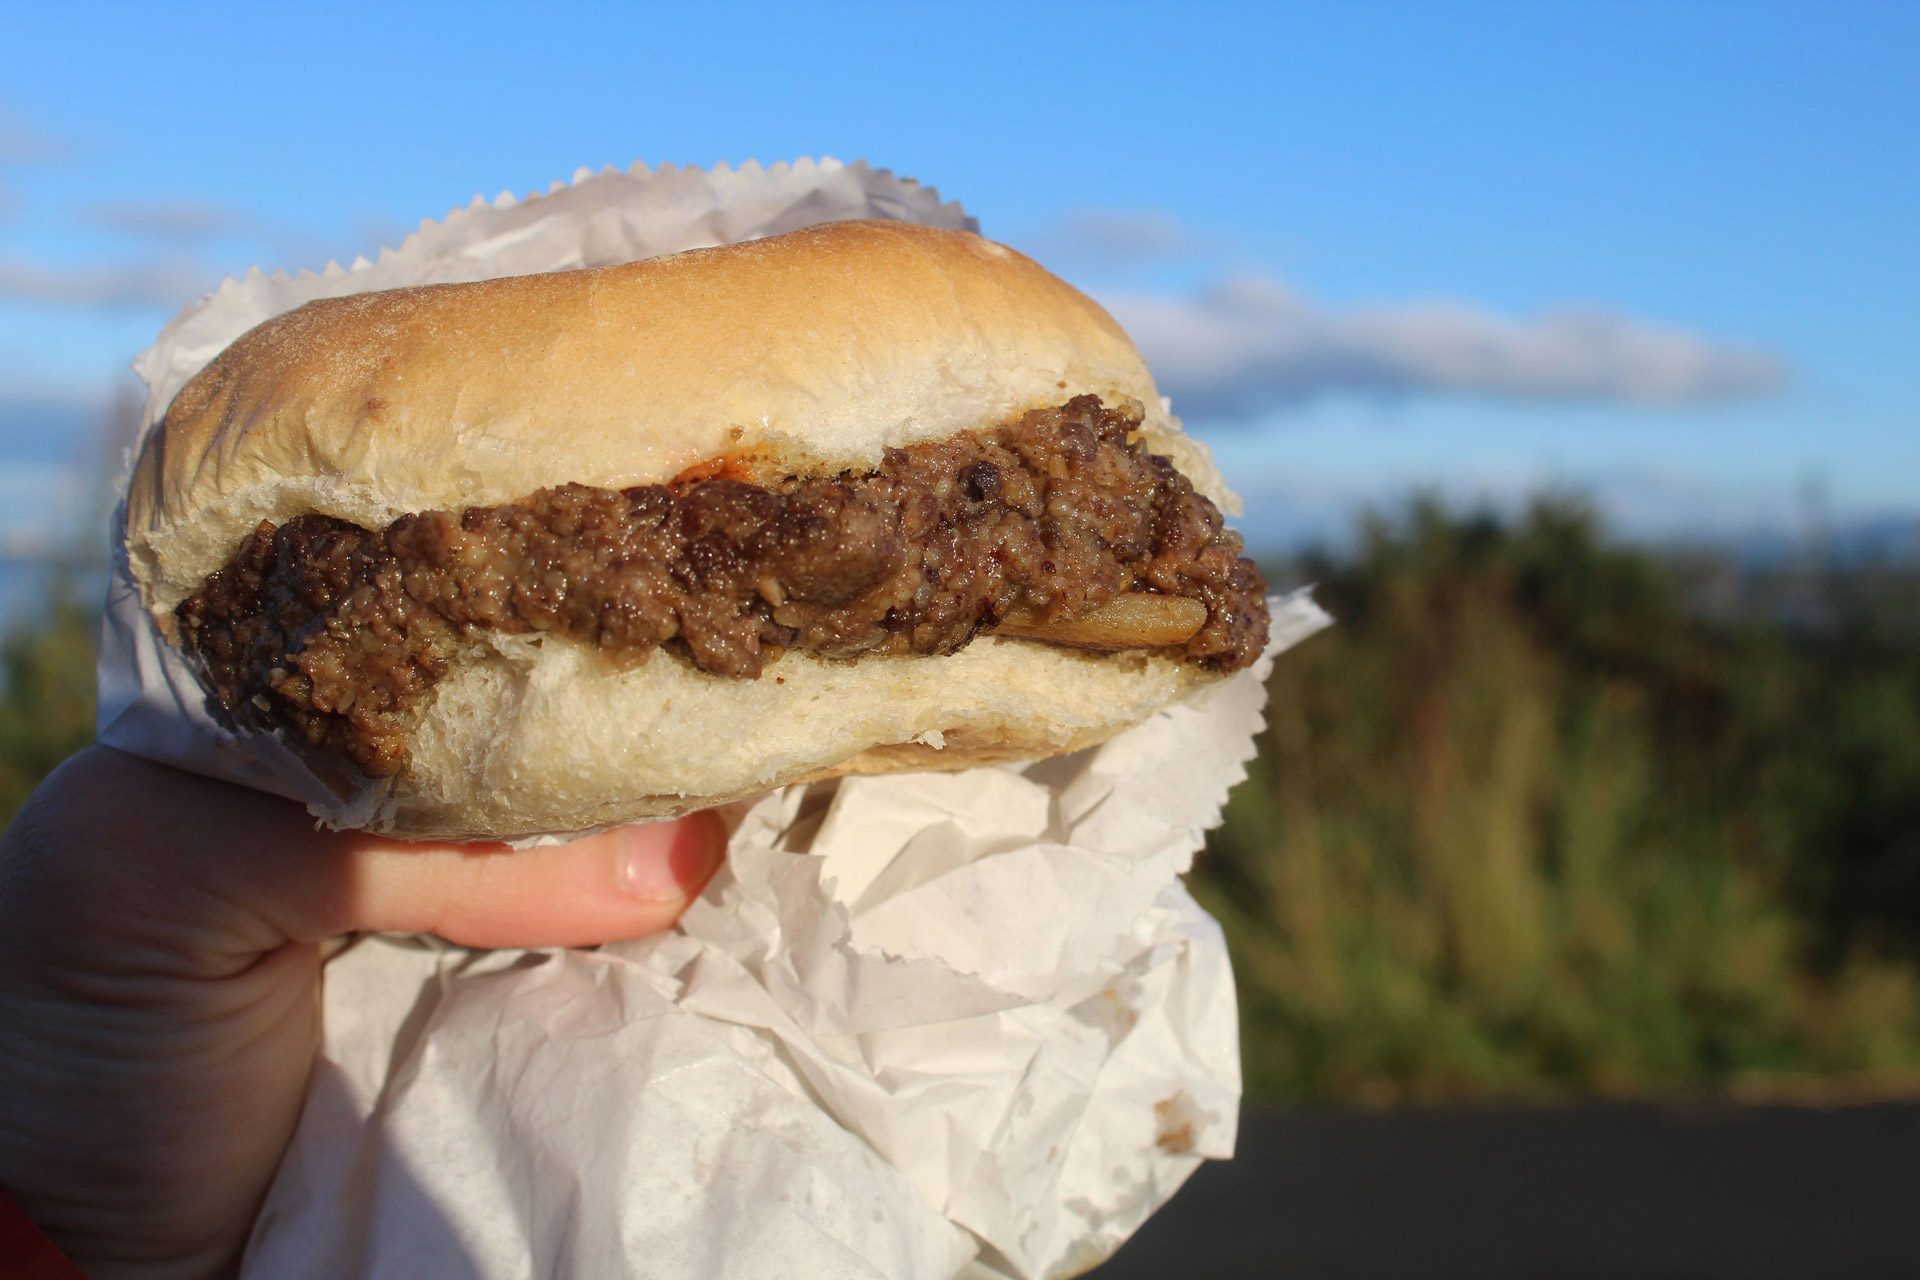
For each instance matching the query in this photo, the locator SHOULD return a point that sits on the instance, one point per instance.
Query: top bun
(811, 352)
(806, 353)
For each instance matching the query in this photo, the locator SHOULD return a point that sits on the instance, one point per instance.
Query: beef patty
(337, 633)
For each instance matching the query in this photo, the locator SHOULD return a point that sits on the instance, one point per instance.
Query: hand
(160, 938)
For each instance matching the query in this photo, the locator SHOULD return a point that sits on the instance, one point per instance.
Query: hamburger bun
(806, 354)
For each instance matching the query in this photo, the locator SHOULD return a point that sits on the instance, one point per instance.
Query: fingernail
(668, 862)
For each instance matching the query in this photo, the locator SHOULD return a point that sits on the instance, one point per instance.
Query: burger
(542, 554)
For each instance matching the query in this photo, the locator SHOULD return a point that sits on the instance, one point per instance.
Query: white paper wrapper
(922, 1026)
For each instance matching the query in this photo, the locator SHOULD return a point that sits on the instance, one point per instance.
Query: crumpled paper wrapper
(922, 1026)
(957, 1025)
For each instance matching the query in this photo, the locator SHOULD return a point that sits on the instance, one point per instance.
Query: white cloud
(1650, 505)
(1251, 342)
(1115, 238)
(162, 283)
(177, 221)
(22, 143)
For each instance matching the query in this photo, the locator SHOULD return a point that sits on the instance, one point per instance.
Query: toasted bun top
(804, 353)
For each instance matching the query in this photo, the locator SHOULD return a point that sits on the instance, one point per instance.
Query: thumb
(113, 848)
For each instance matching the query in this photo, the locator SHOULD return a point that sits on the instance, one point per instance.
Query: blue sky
(1664, 252)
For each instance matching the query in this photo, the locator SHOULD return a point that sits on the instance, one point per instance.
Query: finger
(622, 883)
(181, 864)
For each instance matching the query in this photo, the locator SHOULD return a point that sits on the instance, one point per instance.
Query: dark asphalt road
(1610, 1192)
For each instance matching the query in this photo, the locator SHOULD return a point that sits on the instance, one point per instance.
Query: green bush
(46, 695)
(1525, 822)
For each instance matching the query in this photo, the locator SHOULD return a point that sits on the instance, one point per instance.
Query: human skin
(160, 948)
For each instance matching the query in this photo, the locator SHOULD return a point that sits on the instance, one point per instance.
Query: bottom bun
(537, 736)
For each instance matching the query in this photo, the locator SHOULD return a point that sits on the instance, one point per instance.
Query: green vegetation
(46, 698)
(1528, 823)
(1541, 816)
